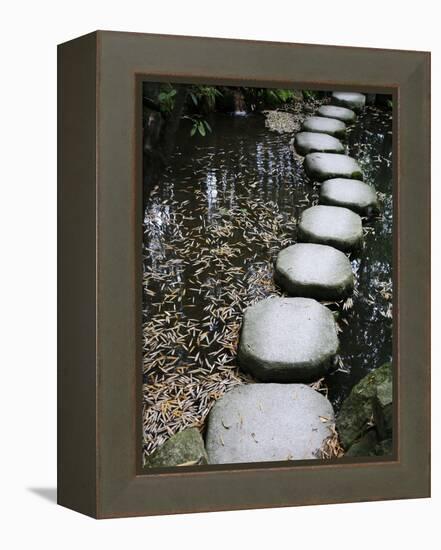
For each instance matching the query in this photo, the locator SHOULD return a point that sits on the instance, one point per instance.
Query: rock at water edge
(368, 406)
(186, 448)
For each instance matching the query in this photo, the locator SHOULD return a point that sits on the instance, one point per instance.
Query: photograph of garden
(267, 275)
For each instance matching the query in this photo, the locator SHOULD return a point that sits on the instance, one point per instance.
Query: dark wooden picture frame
(100, 213)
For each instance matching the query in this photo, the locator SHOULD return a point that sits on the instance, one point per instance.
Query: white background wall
(29, 34)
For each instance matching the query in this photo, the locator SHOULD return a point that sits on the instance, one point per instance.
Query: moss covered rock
(186, 448)
(384, 448)
(365, 446)
(368, 406)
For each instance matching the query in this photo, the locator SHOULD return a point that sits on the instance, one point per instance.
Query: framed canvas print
(244, 259)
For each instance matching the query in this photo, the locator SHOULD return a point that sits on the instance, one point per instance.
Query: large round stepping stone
(314, 271)
(268, 422)
(287, 340)
(322, 125)
(310, 142)
(351, 100)
(323, 166)
(353, 194)
(340, 113)
(331, 225)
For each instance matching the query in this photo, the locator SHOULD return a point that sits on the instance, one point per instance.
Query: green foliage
(207, 95)
(310, 95)
(263, 98)
(166, 99)
(200, 125)
(203, 100)
(281, 96)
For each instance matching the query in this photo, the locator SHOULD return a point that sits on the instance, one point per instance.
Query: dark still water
(224, 208)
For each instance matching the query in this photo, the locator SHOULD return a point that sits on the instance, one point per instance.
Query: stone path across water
(295, 339)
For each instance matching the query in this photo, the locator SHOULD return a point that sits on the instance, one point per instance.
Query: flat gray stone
(351, 100)
(287, 340)
(314, 271)
(340, 113)
(353, 194)
(186, 448)
(322, 125)
(323, 166)
(268, 422)
(332, 225)
(310, 142)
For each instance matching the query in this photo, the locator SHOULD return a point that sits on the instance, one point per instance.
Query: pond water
(223, 209)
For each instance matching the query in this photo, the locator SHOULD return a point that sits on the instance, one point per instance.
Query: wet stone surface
(350, 100)
(314, 271)
(268, 422)
(322, 166)
(323, 125)
(331, 225)
(353, 194)
(287, 340)
(340, 113)
(311, 142)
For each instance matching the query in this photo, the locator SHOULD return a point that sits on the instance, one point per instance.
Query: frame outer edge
(119, 491)
(76, 265)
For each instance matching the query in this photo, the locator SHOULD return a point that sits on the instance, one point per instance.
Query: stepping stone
(314, 271)
(340, 113)
(353, 194)
(287, 340)
(332, 225)
(323, 166)
(351, 100)
(310, 142)
(186, 448)
(321, 125)
(268, 422)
